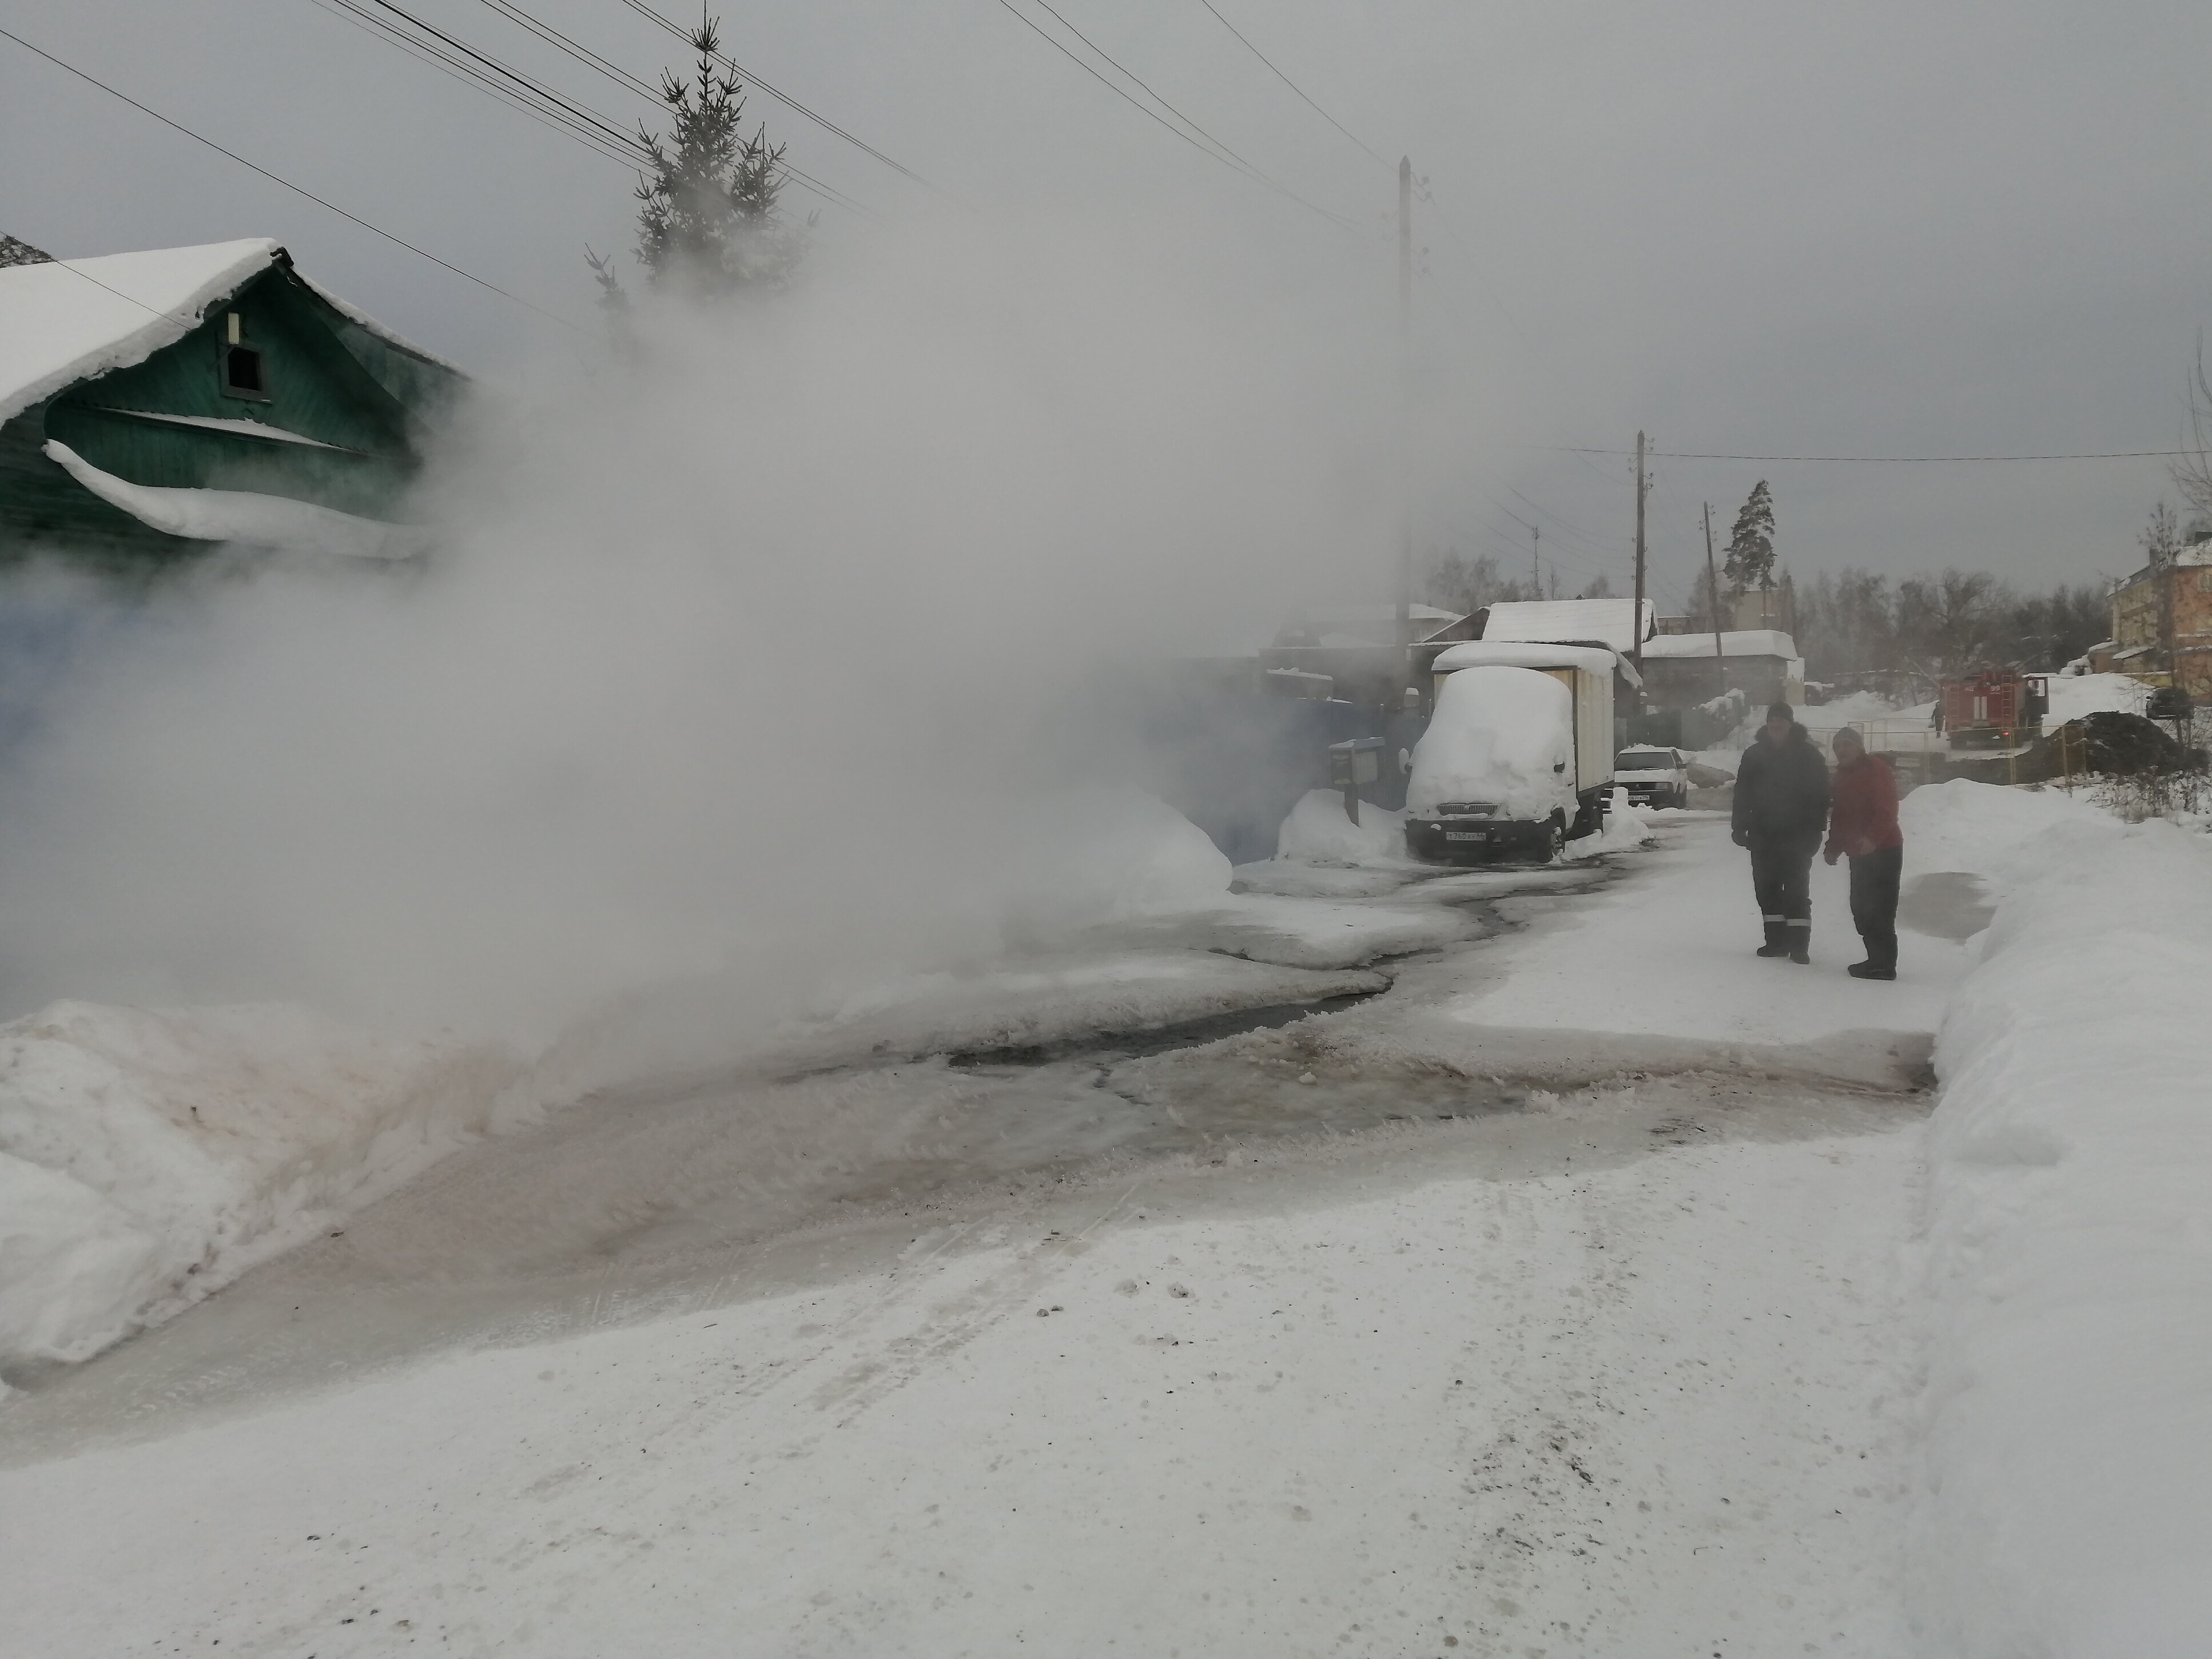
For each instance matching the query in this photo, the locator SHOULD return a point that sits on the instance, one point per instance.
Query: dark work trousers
(1782, 876)
(1874, 903)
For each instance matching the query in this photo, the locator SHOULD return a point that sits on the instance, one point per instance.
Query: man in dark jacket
(1781, 813)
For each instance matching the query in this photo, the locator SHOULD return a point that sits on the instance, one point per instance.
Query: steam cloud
(749, 653)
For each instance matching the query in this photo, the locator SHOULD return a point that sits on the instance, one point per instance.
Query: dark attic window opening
(244, 374)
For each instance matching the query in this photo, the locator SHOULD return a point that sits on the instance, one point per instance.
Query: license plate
(1466, 834)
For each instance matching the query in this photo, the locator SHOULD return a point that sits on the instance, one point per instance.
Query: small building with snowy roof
(1762, 663)
(154, 404)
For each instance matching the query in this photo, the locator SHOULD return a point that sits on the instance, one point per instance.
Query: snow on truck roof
(65, 320)
(1519, 654)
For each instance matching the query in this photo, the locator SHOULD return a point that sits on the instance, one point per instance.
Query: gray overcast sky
(1861, 230)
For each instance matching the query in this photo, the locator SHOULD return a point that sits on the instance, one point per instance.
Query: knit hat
(1780, 711)
(1851, 731)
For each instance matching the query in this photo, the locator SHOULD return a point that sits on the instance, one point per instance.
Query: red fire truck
(1995, 708)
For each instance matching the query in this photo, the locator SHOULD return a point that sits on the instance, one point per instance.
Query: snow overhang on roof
(1518, 653)
(1735, 642)
(244, 517)
(69, 320)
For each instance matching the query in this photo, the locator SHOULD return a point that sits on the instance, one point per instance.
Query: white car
(1653, 777)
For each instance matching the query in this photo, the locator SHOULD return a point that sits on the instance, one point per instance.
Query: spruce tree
(1751, 543)
(709, 222)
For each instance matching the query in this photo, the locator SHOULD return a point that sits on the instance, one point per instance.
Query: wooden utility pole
(1535, 563)
(1636, 618)
(1713, 582)
(1406, 419)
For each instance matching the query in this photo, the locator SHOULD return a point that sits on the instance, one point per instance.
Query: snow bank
(148, 1159)
(2070, 1498)
(1109, 853)
(1499, 734)
(1627, 828)
(1318, 832)
(2076, 696)
(1984, 829)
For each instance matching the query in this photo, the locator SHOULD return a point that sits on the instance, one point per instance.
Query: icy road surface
(1561, 1312)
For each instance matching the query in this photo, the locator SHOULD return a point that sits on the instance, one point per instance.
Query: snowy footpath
(1597, 1289)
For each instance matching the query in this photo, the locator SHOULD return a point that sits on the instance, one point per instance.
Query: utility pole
(1535, 562)
(1636, 619)
(1713, 583)
(1406, 418)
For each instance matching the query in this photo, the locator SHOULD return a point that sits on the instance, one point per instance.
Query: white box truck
(1518, 756)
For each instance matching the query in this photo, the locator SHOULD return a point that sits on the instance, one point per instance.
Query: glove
(1831, 854)
(1741, 837)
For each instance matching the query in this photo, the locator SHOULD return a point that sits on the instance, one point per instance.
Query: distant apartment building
(2162, 622)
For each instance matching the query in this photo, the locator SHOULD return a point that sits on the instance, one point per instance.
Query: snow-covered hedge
(2069, 1509)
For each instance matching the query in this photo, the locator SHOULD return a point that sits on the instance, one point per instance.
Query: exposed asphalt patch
(1159, 1039)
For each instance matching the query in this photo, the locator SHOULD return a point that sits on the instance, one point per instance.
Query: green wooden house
(154, 404)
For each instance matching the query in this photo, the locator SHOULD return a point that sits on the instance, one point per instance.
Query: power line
(790, 103)
(651, 93)
(354, 218)
(1292, 84)
(1225, 156)
(1871, 460)
(379, 32)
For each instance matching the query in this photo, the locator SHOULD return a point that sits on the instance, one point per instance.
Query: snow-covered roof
(1523, 653)
(1612, 620)
(1735, 642)
(244, 516)
(68, 319)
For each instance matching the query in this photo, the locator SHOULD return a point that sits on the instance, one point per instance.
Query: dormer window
(243, 374)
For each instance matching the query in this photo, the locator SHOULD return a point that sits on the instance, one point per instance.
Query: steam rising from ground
(747, 658)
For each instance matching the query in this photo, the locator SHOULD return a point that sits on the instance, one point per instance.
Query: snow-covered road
(1561, 1311)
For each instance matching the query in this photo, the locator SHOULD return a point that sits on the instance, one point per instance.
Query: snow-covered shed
(1760, 662)
(154, 403)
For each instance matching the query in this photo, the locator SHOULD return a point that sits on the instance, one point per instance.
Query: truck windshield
(1645, 760)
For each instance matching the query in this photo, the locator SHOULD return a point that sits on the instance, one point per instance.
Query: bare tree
(2192, 472)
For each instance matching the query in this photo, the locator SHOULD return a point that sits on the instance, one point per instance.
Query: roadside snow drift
(1499, 735)
(2069, 1509)
(147, 1159)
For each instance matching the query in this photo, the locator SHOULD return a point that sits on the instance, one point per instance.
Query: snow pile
(148, 1159)
(1627, 828)
(1984, 829)
(1318, 832)
(1503, 735)
(2070, 1497)
(1823, 720)
(1107, 853)
(2076, 696)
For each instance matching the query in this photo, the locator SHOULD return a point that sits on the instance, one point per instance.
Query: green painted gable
(369, 407)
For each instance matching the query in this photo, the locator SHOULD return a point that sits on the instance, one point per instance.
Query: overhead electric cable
(1292, 84)
(651, 93)
(297, 190)
(377, 30)
(790, 103)
(1867, 460)
(1227, 158)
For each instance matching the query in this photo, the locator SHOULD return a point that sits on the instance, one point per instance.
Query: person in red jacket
(1863, 827)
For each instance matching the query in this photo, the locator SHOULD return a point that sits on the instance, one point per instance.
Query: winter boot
(1778, 943)
(1800, 943)
(1870, 970)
